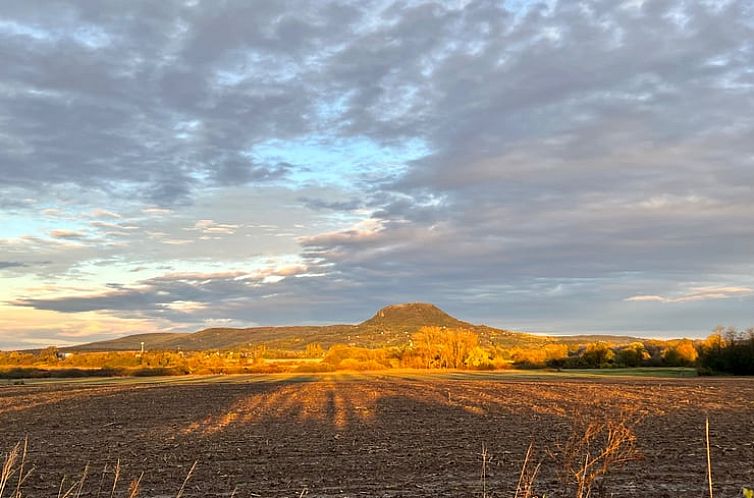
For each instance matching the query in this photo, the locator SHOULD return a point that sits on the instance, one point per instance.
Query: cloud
(240, 170)
(11, 264)
(64, 234)
(27, 328)
(289, 270)
(171, 102)
(211, 227)
(320, 204)
(166, 296)
(104, 213)
(524, 163)
(358, 235)
(151, 297)
(696, 294)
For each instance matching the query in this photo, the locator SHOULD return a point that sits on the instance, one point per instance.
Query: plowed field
(405, 435)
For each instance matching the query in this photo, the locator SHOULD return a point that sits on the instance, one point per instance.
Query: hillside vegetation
(389, 327)
(413, 335)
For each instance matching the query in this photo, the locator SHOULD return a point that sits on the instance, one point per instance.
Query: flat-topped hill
(413, 315)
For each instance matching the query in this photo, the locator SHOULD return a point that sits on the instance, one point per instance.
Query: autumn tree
(439, 347)
(479, 358)
(457, 346)
(728, 351)
(427, 345)
(598, 355)
(539, 357)
(314, 351)
(632, 355)
(681, 354)
(49, 355)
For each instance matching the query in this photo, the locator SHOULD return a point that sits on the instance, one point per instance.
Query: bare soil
(408, 435)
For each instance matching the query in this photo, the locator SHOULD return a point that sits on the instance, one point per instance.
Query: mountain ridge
(392, 325)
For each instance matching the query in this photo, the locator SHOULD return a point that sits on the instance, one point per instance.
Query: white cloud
(103, 213)
(696, 294)
(60, 233)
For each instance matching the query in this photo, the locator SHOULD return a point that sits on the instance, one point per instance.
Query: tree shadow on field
(414, 438)
(341, 404)
(380, 435)
(429, 433)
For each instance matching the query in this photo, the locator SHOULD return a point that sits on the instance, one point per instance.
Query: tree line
(728, 350)
(725, 350)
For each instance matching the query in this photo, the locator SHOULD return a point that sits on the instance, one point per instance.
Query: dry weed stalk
(14, 468)
(76, 489)
(60, 488)
(596, 447)
(709, 456)
(525, 485)
(14, 464)
(116, 476)
(188, 477)
(84, 475)
(9, 467)
(70, 490)
(102, 480)
(135, 487)
(485, 459)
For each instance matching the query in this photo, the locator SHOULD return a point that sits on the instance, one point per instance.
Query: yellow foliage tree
(438, 347)
(682, 354)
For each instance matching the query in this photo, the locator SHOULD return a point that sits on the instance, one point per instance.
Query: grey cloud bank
(566, 166)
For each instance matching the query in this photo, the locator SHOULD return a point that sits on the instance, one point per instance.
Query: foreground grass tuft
(596, 447)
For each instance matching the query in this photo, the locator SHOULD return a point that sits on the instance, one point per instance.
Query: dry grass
(14, 466)
(528, 476)
(14, 470)
(596, 446)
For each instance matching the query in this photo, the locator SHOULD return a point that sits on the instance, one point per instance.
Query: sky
(560, 167)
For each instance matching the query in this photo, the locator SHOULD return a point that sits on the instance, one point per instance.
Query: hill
(152, 341)
(391, 326)
(413, 316)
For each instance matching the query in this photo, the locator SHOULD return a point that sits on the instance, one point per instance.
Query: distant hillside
(586, 338)
(390, 326)
(153, 341)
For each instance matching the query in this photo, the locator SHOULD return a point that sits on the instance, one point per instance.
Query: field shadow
(383, 426)
(339, 405)
(418, 435)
